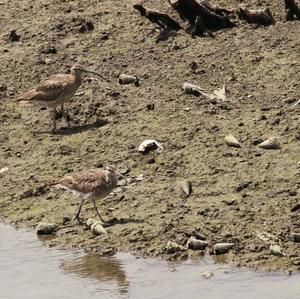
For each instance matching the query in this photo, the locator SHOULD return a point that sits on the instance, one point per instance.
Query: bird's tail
(59, 186)
(27, 96)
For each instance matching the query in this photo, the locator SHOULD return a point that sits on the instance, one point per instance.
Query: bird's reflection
(104, 269)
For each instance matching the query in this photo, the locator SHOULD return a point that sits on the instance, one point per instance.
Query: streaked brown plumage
(91, 184)
(55, 91)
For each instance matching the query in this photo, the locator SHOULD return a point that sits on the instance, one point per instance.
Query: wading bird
(56, 91)
(91, 184)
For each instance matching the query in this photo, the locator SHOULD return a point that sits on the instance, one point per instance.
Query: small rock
(150, 106)
(271, 143)
(172, 247)
(46, 228)
(230, 140)
(276, 250)
(104, 35)
(49, 49)
(207, 274)
(3, 87)
(257, 141)
(295, 208)
(13, 36)
(195, 244)
(86, 26)
(222, 248)
(231, 202)
(295, 237)
(292, 193)
(242, 186)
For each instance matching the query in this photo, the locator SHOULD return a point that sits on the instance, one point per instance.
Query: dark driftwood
(202, 17)
(216, 9)
(157, 17)
(258, 16)
(292, 10)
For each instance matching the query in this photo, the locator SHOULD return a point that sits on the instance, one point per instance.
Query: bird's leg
(96, 209)
(65, 115)
(54, 120)
(79, 209)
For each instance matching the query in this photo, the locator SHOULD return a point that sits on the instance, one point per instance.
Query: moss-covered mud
(236, 192)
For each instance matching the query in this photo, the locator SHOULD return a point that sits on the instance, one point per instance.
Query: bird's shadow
(65, 131)
(115, 221)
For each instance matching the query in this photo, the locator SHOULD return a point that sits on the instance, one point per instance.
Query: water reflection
(101, 268)
(28, 269)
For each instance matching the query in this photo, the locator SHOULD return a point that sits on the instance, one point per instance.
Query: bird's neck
(111, 178)
(77, 75)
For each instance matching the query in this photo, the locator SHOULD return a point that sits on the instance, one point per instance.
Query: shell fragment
(276, 250)
(271, 143)
(127, 79)
(195, 244)
(185, 187)
(172, 247)
(148, 145)
(222, 248)
(98, 229)
(4, 169)
(230, 140)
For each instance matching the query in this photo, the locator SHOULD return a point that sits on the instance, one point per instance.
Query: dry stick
(292, 10)
(200, 17)
(216, 9)
(157, 17)
(258, 16)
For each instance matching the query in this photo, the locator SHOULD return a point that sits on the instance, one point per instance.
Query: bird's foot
(54, 131)
(79, 219)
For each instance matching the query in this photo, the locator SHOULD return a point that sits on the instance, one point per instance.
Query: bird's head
(111, 169)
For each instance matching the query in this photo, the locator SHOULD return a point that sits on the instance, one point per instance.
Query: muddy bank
(237, 192)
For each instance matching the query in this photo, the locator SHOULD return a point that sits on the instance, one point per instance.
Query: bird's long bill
(119, 174)
(95, 73)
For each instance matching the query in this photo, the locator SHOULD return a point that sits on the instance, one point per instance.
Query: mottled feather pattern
(52, 92)
(91, 181)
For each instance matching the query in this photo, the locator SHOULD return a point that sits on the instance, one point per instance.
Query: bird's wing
(57, 82)
(85, 181)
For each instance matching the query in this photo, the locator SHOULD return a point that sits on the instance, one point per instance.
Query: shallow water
(28, 269)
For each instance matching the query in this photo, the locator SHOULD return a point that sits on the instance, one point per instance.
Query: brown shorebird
(56, 91)
(91, 184)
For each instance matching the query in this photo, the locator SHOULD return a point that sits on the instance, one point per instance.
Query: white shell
(230, 140)
(271, 143)
(189, 88)
(221, 248)
(295, 237)
(185, 187)
(98, 229)
(149, 144)
(127, 79)
(276, 250)
(91, 221)
(4, 169)
(195, 244)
